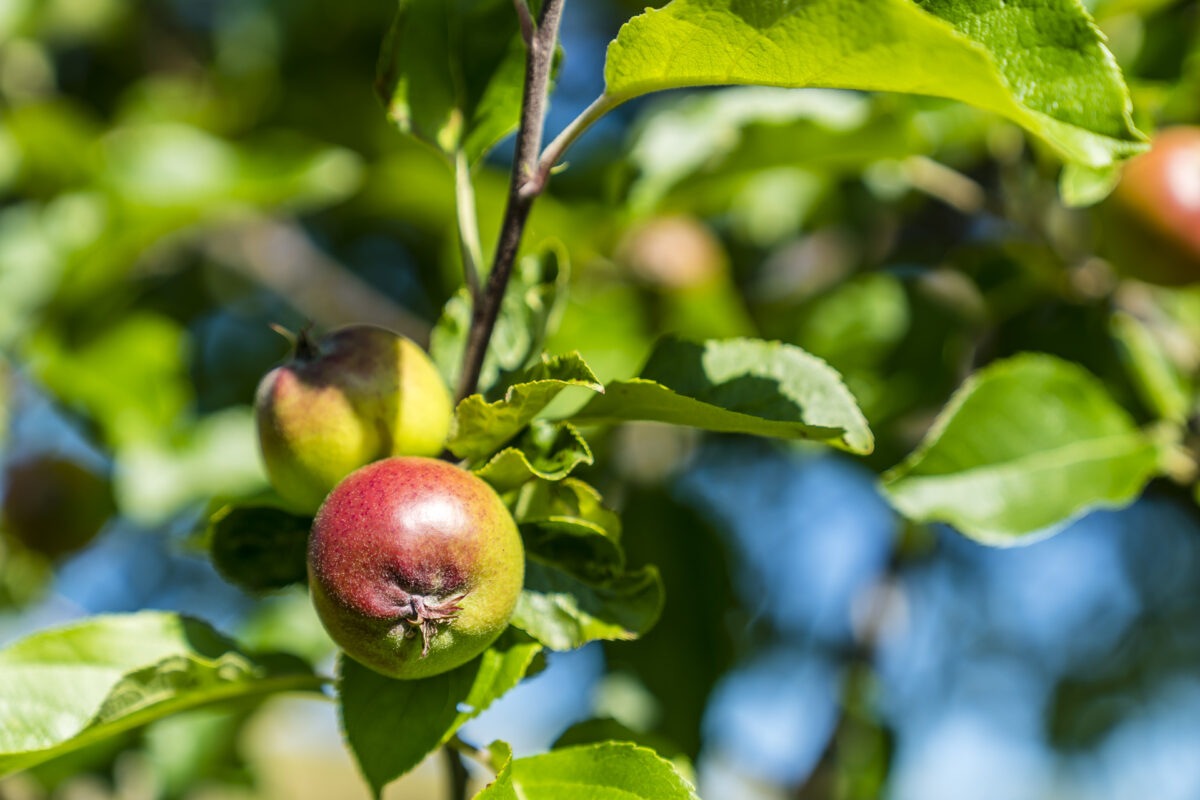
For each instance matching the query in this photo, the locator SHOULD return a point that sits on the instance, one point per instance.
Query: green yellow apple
(357, 395)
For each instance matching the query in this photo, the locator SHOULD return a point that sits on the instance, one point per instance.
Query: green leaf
(721, 134)
(564, 611)
(66, 688)
(449, 337)
(858, 323)
(607, 729)
(6, 400)
(1081, 186)
(532, 308)
(216, 455)
(1025, 446)
(738, 386)
(601, 729)
(258, 545)
(131, 377)
(24, 575)
(451, 72)
(1105, 9)
(501, 787)
(1159, 382)
(161, 168)
(392, 725)
(547, 450)
(604, 771)
(480, 427)
(1041, 63)
(567, 523)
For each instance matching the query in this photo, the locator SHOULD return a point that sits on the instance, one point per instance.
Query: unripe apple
(1151, 224)
(673, 253)
(358, 395)
(415, 566)
(54, 506)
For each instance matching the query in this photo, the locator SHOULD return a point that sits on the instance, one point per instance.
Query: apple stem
(306, 346)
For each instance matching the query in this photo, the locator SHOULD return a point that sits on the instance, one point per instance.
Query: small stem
(468, 224)
(458, 774)
(538, 63)
(481, 757)
(554, 151)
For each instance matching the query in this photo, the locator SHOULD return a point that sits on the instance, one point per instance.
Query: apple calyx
(304, 346)
(421, 613)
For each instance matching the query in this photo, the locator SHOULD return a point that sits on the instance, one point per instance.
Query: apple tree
(577, 302)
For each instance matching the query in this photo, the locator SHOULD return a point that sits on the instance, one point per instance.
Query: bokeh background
(175, 175)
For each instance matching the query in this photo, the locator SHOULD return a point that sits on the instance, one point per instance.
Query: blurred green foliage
(176, 175)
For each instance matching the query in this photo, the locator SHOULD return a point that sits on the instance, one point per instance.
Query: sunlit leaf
(1025, 446)
(737, 386)
(1041, 64)
(65, 688)
(604, 771)
(480, 427)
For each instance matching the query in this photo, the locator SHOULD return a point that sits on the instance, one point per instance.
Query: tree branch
(538, 62)
(458, 774)
(527, 24)
(554, 151)
(280, 256)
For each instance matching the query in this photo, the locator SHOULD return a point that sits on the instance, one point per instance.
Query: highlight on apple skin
(359, 394)
(415, 566)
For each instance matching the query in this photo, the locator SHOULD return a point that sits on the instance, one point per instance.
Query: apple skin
(360, 394)
(415, 566)
(54, 506)
(1150, 227)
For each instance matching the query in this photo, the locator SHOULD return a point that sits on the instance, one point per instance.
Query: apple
(673, 253)
(415, 566)
(53, 505)
(360, 394)
(1150, 227)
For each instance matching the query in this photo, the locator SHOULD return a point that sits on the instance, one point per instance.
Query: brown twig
(538, 62)
(458, 774)
(281, 257)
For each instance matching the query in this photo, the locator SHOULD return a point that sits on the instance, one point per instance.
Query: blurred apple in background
(1150, 227)
(53, 505)
(672, 253)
